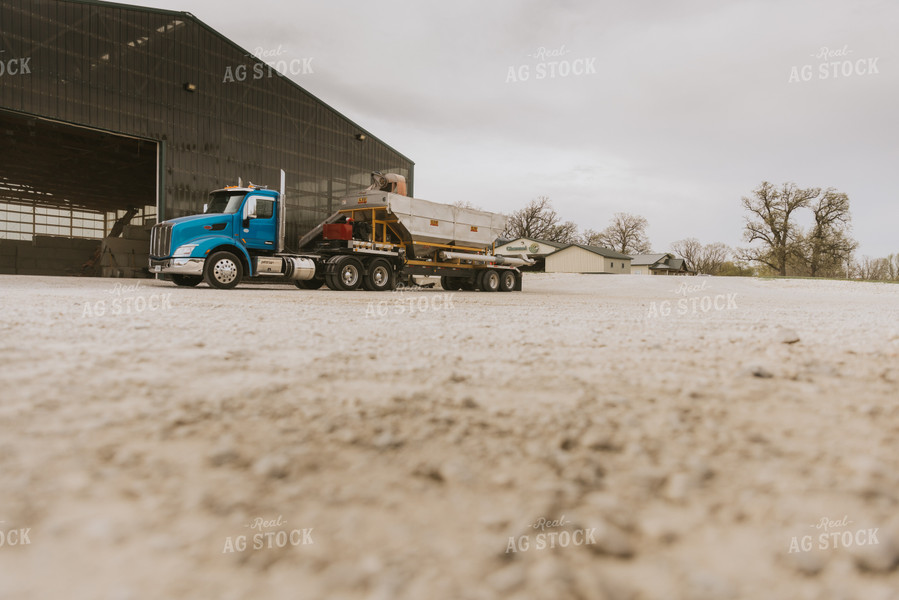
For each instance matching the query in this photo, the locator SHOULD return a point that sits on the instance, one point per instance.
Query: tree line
(626, 233)
(825, 248)
(778, 243)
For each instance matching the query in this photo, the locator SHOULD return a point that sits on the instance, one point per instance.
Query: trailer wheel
(346, 275)
(379, 276)
(310, 284)
(489, 281)
(451, 283)
(187, 280)
(468, 284)
(507, 281)
(223, 270)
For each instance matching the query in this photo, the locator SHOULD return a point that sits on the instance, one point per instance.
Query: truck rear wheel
(507, 281)
(187, 280)
(223, 270)
(346, 274)
(489, 281)
(379, 276)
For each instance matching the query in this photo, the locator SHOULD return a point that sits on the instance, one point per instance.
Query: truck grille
(161, 239)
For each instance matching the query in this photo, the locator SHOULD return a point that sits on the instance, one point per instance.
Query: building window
(613, 265)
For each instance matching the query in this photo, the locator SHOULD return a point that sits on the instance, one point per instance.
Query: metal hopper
(422, 222)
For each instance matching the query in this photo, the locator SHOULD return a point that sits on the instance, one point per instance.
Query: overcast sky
(677, 109)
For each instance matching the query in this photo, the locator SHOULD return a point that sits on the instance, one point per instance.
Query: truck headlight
(184, 250)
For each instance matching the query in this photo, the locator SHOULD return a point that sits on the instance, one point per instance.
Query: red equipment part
(337, 231)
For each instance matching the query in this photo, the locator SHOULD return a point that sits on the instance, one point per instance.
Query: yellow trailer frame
(386, 223)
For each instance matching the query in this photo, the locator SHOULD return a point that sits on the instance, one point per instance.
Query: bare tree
(625, 234)
(591, 237)
(707, 259)
(564, 233)
(691, 251)
(871, 269)
(737, 269)
(537, 220)
(466, 204)
(713, 257)
(770, 222)
(893, 267)
(827, 246)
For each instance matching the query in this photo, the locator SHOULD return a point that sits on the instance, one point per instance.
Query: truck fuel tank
(299, 268)
(295, 268)
(266, 265)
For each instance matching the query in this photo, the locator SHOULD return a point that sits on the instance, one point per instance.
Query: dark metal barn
(114, 116)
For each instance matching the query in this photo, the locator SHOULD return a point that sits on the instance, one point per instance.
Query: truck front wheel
(223, 270)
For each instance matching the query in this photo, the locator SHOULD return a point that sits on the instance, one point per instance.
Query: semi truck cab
(238, 227)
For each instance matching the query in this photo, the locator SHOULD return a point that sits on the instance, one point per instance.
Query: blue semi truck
(378, 237)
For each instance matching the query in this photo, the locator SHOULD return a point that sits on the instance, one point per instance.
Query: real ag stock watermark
(14, 66)
(693, 301)
(268, 540)
(403, 302)
(834, 535)
(551, 539)
(127, 301)
(828, 68)
(271, 62)
(550, 63)
(17, 536)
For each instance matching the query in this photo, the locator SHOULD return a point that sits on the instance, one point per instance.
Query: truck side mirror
(251, 209)
(205, 208)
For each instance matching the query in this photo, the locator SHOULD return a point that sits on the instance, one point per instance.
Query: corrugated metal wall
(124, 70)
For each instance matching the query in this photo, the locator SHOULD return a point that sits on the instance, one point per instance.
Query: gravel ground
(590, 437)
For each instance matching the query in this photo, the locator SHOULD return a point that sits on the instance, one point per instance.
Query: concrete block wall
(45, 255)
(8, 251)
(126, 256)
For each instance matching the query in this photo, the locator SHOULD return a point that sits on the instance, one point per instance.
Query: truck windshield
(224, 202)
